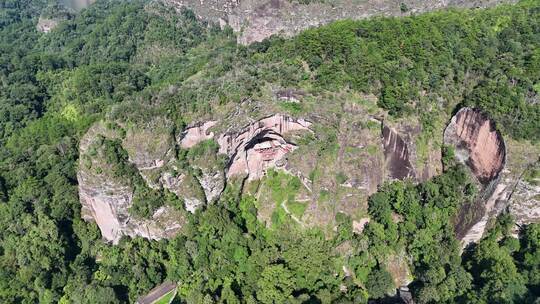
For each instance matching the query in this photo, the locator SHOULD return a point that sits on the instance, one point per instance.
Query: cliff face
(481, 147)
(500, 171)
(256, 20)
(396, 154)
(477, 143)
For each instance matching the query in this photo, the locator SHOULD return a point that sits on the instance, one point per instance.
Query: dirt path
(284, 206)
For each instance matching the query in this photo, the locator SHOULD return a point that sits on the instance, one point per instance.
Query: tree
(379, 283)
(275, 285)
(529, 256)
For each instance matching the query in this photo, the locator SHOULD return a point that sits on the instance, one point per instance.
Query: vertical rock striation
(396, 154)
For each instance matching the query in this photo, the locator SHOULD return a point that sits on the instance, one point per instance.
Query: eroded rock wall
(260, 145)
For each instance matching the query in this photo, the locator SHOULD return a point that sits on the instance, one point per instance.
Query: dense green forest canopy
(54, 86)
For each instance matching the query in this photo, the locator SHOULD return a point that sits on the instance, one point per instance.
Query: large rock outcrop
(106, 198)
(256, 20)
(477, 143)
(46, 25)
(252, 149)
(260, 146)
(503, 174)
(326, 164)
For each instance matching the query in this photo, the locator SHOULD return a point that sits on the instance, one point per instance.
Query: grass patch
(372, 150)
(296, 208)
(167, 298)
(283, 188)
(294, 108)
(422, 149)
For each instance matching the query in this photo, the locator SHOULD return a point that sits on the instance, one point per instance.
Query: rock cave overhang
(268, 135)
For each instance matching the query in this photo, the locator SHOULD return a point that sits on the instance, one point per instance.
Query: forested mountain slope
(330, 167)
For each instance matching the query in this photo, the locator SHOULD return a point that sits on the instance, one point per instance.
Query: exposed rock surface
(46, 25)
(477, 143)
(474, 220)
(481, 147)
(256, 20)
(260, 145)
(213, 183)
(396, 153)
(197, 133)
(524, 196)
(358, 226)
(501, 170)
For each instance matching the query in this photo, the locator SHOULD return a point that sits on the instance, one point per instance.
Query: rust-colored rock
(481, 147)
(477, 143)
